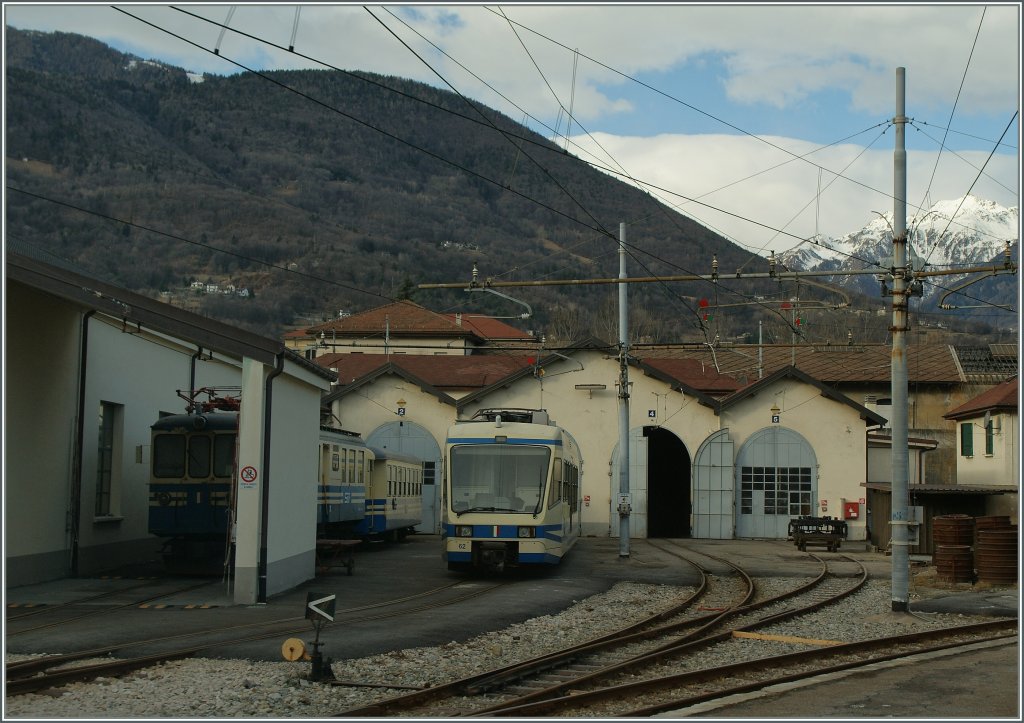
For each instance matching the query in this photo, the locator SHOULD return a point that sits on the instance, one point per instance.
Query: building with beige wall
(691, 436)
(988, 436)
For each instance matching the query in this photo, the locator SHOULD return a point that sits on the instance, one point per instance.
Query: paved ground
(984, 684)
(974, 685)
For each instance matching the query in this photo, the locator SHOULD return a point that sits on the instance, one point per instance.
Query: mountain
(322, 191)
(952, 234)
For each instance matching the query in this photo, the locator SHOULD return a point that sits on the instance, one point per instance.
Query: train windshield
(498, 478)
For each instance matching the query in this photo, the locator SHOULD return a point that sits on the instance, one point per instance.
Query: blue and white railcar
(511, 491)
(361, 492)
(345, 463)
(394, 496)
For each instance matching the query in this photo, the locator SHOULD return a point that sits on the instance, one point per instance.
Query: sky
(768, 123)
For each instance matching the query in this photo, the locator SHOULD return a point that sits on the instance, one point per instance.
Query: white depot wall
(834, 430)
(40, 414)
(293, 474)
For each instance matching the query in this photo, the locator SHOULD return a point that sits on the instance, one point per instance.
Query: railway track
(36, 674)
(684, 629)
(672, 692)
(721, 598)
(104, 610)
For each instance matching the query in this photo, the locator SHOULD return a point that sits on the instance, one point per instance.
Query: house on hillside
(76, 472)
(404, 327)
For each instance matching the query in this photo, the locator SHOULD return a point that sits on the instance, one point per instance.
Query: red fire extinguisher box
(851, 510)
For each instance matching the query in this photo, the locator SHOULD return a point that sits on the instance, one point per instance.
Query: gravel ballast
(226, 688)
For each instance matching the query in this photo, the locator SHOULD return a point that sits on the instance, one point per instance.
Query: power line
(952, 110)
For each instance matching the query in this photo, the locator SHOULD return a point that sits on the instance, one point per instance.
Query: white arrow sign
(312, 605)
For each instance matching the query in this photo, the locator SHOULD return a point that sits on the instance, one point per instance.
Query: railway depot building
(722, 444)
(77, 429)
(702, 462)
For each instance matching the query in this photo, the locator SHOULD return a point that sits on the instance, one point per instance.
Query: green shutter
(967, 439)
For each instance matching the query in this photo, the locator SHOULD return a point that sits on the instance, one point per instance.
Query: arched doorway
(713, 490)
(776, 481)
(668, 484)
(413, 439)
(659, 485)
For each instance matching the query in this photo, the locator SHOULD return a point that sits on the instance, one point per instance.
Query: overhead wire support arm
(474, 285)
(652, 279)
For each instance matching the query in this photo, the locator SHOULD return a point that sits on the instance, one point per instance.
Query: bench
(335, 553)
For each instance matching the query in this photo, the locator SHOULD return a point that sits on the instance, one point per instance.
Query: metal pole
(760, 351)
(900, 454)
(624, 497)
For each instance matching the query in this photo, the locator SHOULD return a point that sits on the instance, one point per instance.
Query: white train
(511, 491)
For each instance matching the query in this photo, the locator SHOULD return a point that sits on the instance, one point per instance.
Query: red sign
(248, 475)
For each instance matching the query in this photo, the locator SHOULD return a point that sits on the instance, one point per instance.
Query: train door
(777, 480)
(415, 440)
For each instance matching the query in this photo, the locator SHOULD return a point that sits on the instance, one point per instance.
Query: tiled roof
(401, 318)
(695, 374)
(440, 371)
(986, 364)
(489, 328)
(142, 311)
(1000, 397)
(830, 364)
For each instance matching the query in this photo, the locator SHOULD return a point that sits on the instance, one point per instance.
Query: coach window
(108, 459)
(555, 493)
(223, 455)
(199, 456)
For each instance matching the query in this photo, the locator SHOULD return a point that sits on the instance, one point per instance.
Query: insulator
(771, 264)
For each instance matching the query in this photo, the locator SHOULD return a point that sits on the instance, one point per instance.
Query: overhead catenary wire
(601, 230)
(952, 111)
(980, 171)
(286, 87)
(573, 219)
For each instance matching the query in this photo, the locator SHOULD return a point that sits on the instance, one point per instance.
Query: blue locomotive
(511, 491)
(362, 492)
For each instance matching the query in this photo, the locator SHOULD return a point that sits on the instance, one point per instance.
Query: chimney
(458, 319)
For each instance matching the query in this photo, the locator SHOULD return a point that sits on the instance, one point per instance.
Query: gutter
(261, 591)
(75, 513)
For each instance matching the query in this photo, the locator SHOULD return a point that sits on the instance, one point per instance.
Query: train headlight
(464, 530)
(527, 532)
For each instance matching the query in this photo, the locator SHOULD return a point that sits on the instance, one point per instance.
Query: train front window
(498, 478)
(223, 455)
(198, 456)
(168, 455)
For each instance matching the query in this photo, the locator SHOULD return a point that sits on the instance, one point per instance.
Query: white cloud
(820, 64)
(764, 198)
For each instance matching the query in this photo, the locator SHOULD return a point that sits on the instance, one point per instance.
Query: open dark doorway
(668, 484)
